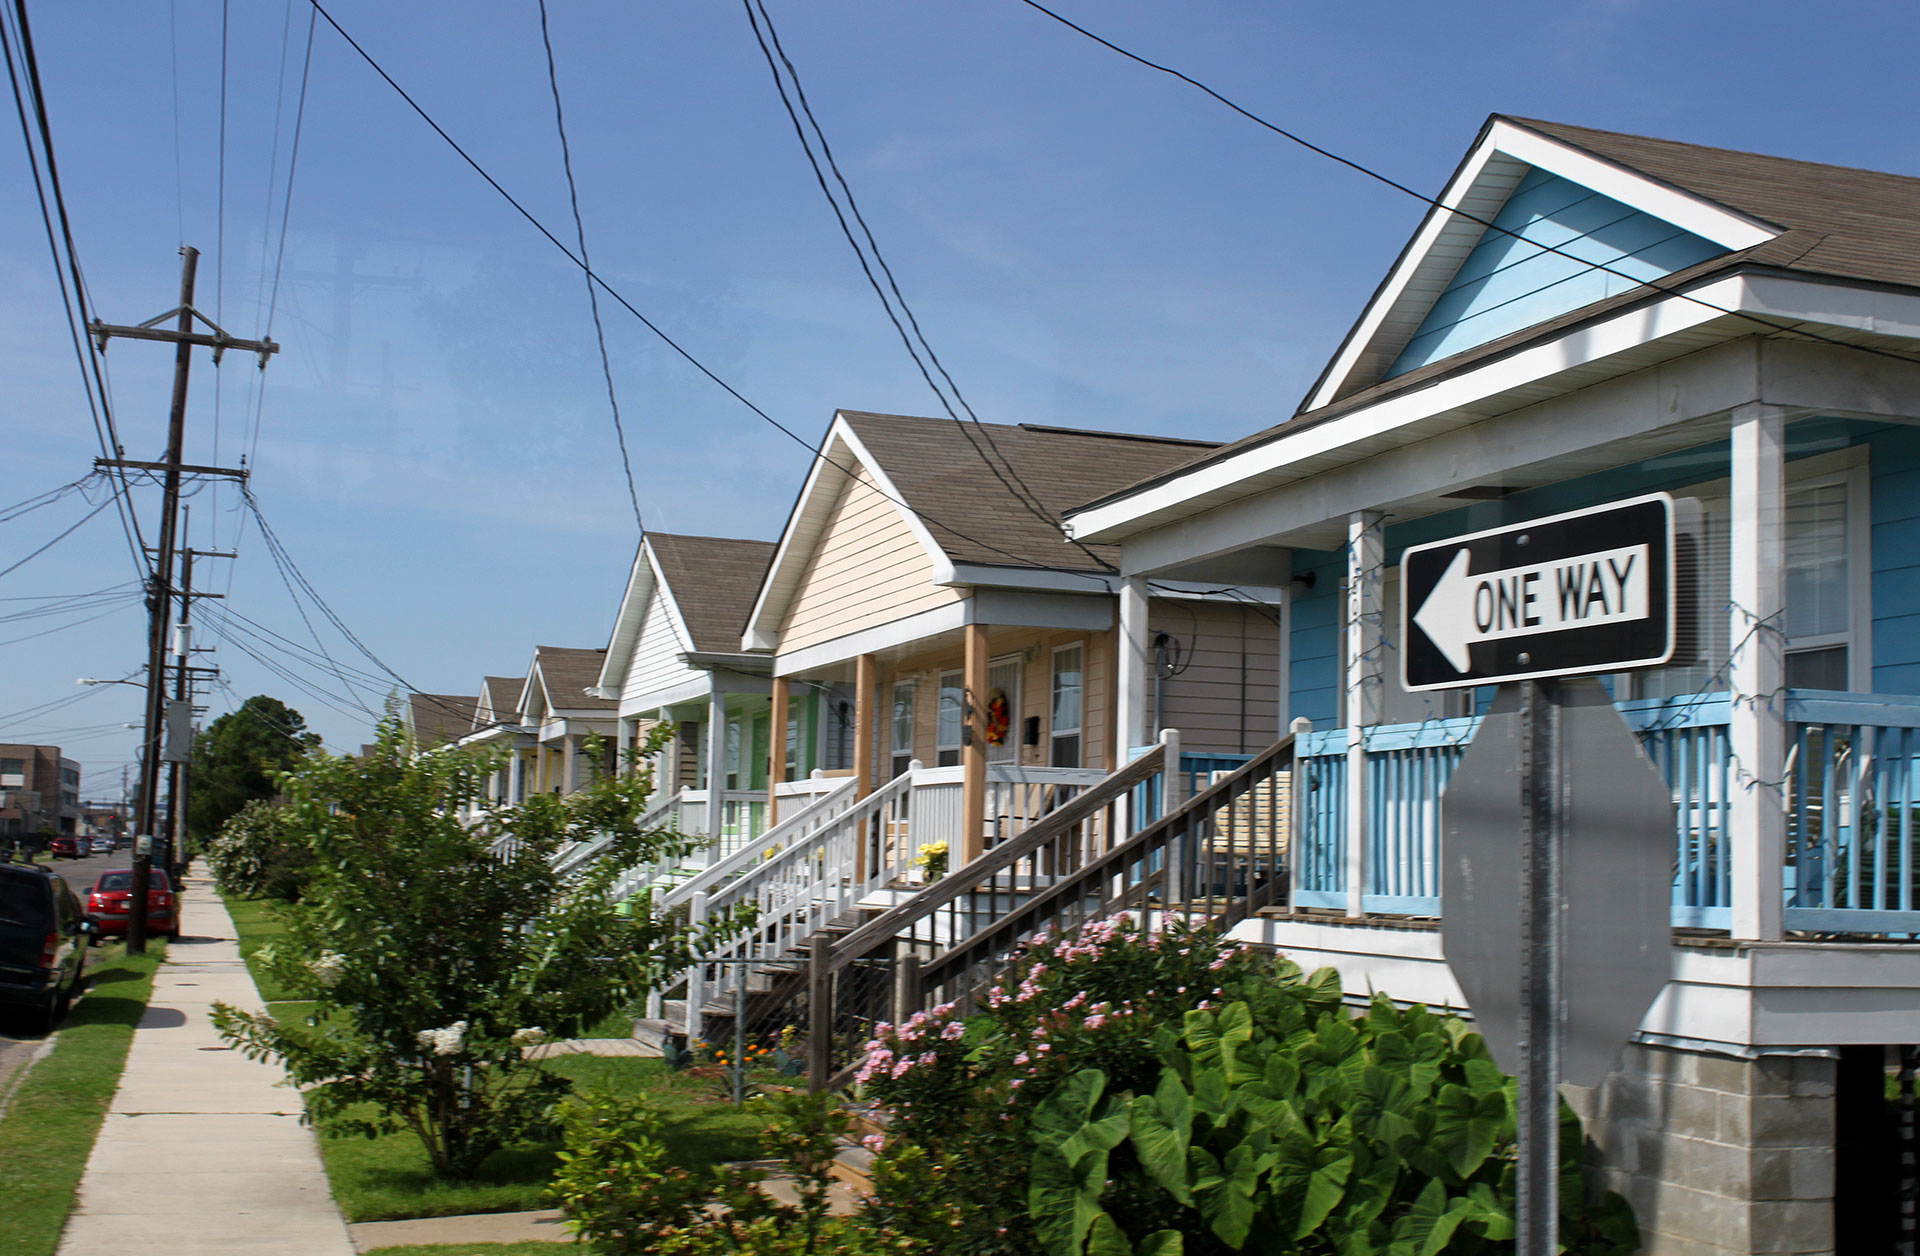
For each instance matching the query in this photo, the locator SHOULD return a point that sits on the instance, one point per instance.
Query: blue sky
(1086, 243)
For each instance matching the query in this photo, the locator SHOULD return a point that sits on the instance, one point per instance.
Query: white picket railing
(660, 814)
(821, 811)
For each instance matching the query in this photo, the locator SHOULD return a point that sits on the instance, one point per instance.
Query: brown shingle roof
(438, 718)
(501, 694)
(714, 581)
(1836, 221)
(568, 673)
(977, 519)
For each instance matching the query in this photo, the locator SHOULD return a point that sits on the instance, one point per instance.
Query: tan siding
(1205, 701)
(867, 569)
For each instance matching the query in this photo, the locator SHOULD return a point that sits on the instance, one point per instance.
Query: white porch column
(716, 757)
(1365, 683)
(1283, 667)
(1757, 670)
(1130, 670)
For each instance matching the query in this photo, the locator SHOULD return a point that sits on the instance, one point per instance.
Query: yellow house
(924, 612)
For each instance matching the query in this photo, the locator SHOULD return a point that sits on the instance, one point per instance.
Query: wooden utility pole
(160, 588)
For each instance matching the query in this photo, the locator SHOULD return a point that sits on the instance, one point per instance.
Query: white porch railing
(822, 810)
(658, 815)
(743, 816)
(865, 848)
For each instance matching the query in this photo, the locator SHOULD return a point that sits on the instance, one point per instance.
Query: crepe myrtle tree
(435, 953)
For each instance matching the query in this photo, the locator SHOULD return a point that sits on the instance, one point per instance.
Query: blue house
(1586, 317)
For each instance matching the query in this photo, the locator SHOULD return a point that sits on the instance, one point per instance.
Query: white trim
(1327, 443)
(1486, 180)
(802, 532)
(1051, 579)
(875, 639)
(939, 688)
(673, 695)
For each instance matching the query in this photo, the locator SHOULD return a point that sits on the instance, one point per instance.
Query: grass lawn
(56, 1111)
(254, 921)
(388, 1178)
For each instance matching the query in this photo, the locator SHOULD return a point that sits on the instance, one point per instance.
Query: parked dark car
(67, 848)
(110, 905)
(43, 943)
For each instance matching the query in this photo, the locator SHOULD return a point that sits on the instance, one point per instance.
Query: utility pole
(179, 772)
(160, 592)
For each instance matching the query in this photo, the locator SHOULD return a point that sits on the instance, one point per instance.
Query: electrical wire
(6, 571)
(1023, 493)
(1772, 324)
(84, 353)
(593, 296)
(649, 324)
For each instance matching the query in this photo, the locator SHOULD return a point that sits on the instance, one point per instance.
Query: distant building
(39, 791)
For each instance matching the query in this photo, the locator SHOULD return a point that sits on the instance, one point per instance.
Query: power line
(649, 324)
(593, 297)
(1023, 494)
(1666, 290)
(113, 497)
(84, 352)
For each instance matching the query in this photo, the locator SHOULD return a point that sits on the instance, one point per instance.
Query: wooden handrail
(1102, 866)
(950, 887)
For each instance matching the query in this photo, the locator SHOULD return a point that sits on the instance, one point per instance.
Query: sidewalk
(202, 1152)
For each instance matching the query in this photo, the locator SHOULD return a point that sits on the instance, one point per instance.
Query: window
(902, 725)
(1064, 724)
(1825, 512)
(952, 702)
(734, 779)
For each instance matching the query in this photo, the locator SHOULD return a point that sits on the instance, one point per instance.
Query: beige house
(923, 607)
(559, 710)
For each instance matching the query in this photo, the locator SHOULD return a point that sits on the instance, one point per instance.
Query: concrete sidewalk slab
(202, 1152)
(492, 1227)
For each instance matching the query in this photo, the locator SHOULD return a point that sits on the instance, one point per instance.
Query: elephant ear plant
(434, 953)
(1150, 1094)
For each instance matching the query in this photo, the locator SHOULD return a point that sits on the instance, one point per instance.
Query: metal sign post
(1555, 879)
(1541, 900)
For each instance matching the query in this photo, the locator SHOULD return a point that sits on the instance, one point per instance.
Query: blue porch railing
(1851, 785)
(1196, 770)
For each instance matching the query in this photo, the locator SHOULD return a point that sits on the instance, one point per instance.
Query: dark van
(43, 943)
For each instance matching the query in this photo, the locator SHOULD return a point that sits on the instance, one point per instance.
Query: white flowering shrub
(433, 964)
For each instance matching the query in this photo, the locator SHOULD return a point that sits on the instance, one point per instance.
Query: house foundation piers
(1719, 1155)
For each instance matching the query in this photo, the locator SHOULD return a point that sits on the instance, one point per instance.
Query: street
(17, 1044)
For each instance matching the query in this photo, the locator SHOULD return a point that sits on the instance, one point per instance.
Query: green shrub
(622, 1198)
(1125, 1093)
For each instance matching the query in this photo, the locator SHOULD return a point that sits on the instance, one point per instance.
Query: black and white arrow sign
(1584, 592)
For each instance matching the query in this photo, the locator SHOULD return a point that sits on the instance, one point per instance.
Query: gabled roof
(499, 700)
(962, 507)
(705, 585)
(713, 581)
(1772, 214)
(438, 718)
(565, 675)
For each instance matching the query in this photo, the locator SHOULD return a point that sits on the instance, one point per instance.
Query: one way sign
(1588, 591)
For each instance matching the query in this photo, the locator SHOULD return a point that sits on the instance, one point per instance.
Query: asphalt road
(17, 1044)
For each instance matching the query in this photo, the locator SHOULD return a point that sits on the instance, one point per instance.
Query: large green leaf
(1105, 1238)
(1064, 1198)
(1326, 1185)
(1228, 1206)
(1161, 1243)
(1161, 1141)
(1466, 1125)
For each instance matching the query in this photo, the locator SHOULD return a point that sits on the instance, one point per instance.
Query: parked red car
(66, 848)
(109, 905)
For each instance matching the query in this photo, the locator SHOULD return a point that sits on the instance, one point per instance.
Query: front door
(1003, 710)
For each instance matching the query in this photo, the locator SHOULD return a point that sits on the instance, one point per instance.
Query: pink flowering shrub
(1122, 1091)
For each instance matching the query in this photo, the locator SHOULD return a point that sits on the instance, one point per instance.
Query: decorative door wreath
(999, 718)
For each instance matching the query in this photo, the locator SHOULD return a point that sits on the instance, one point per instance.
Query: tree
(433, 962)
(237, 758)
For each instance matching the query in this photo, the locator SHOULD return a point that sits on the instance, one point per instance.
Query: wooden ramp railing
(1218, 857)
